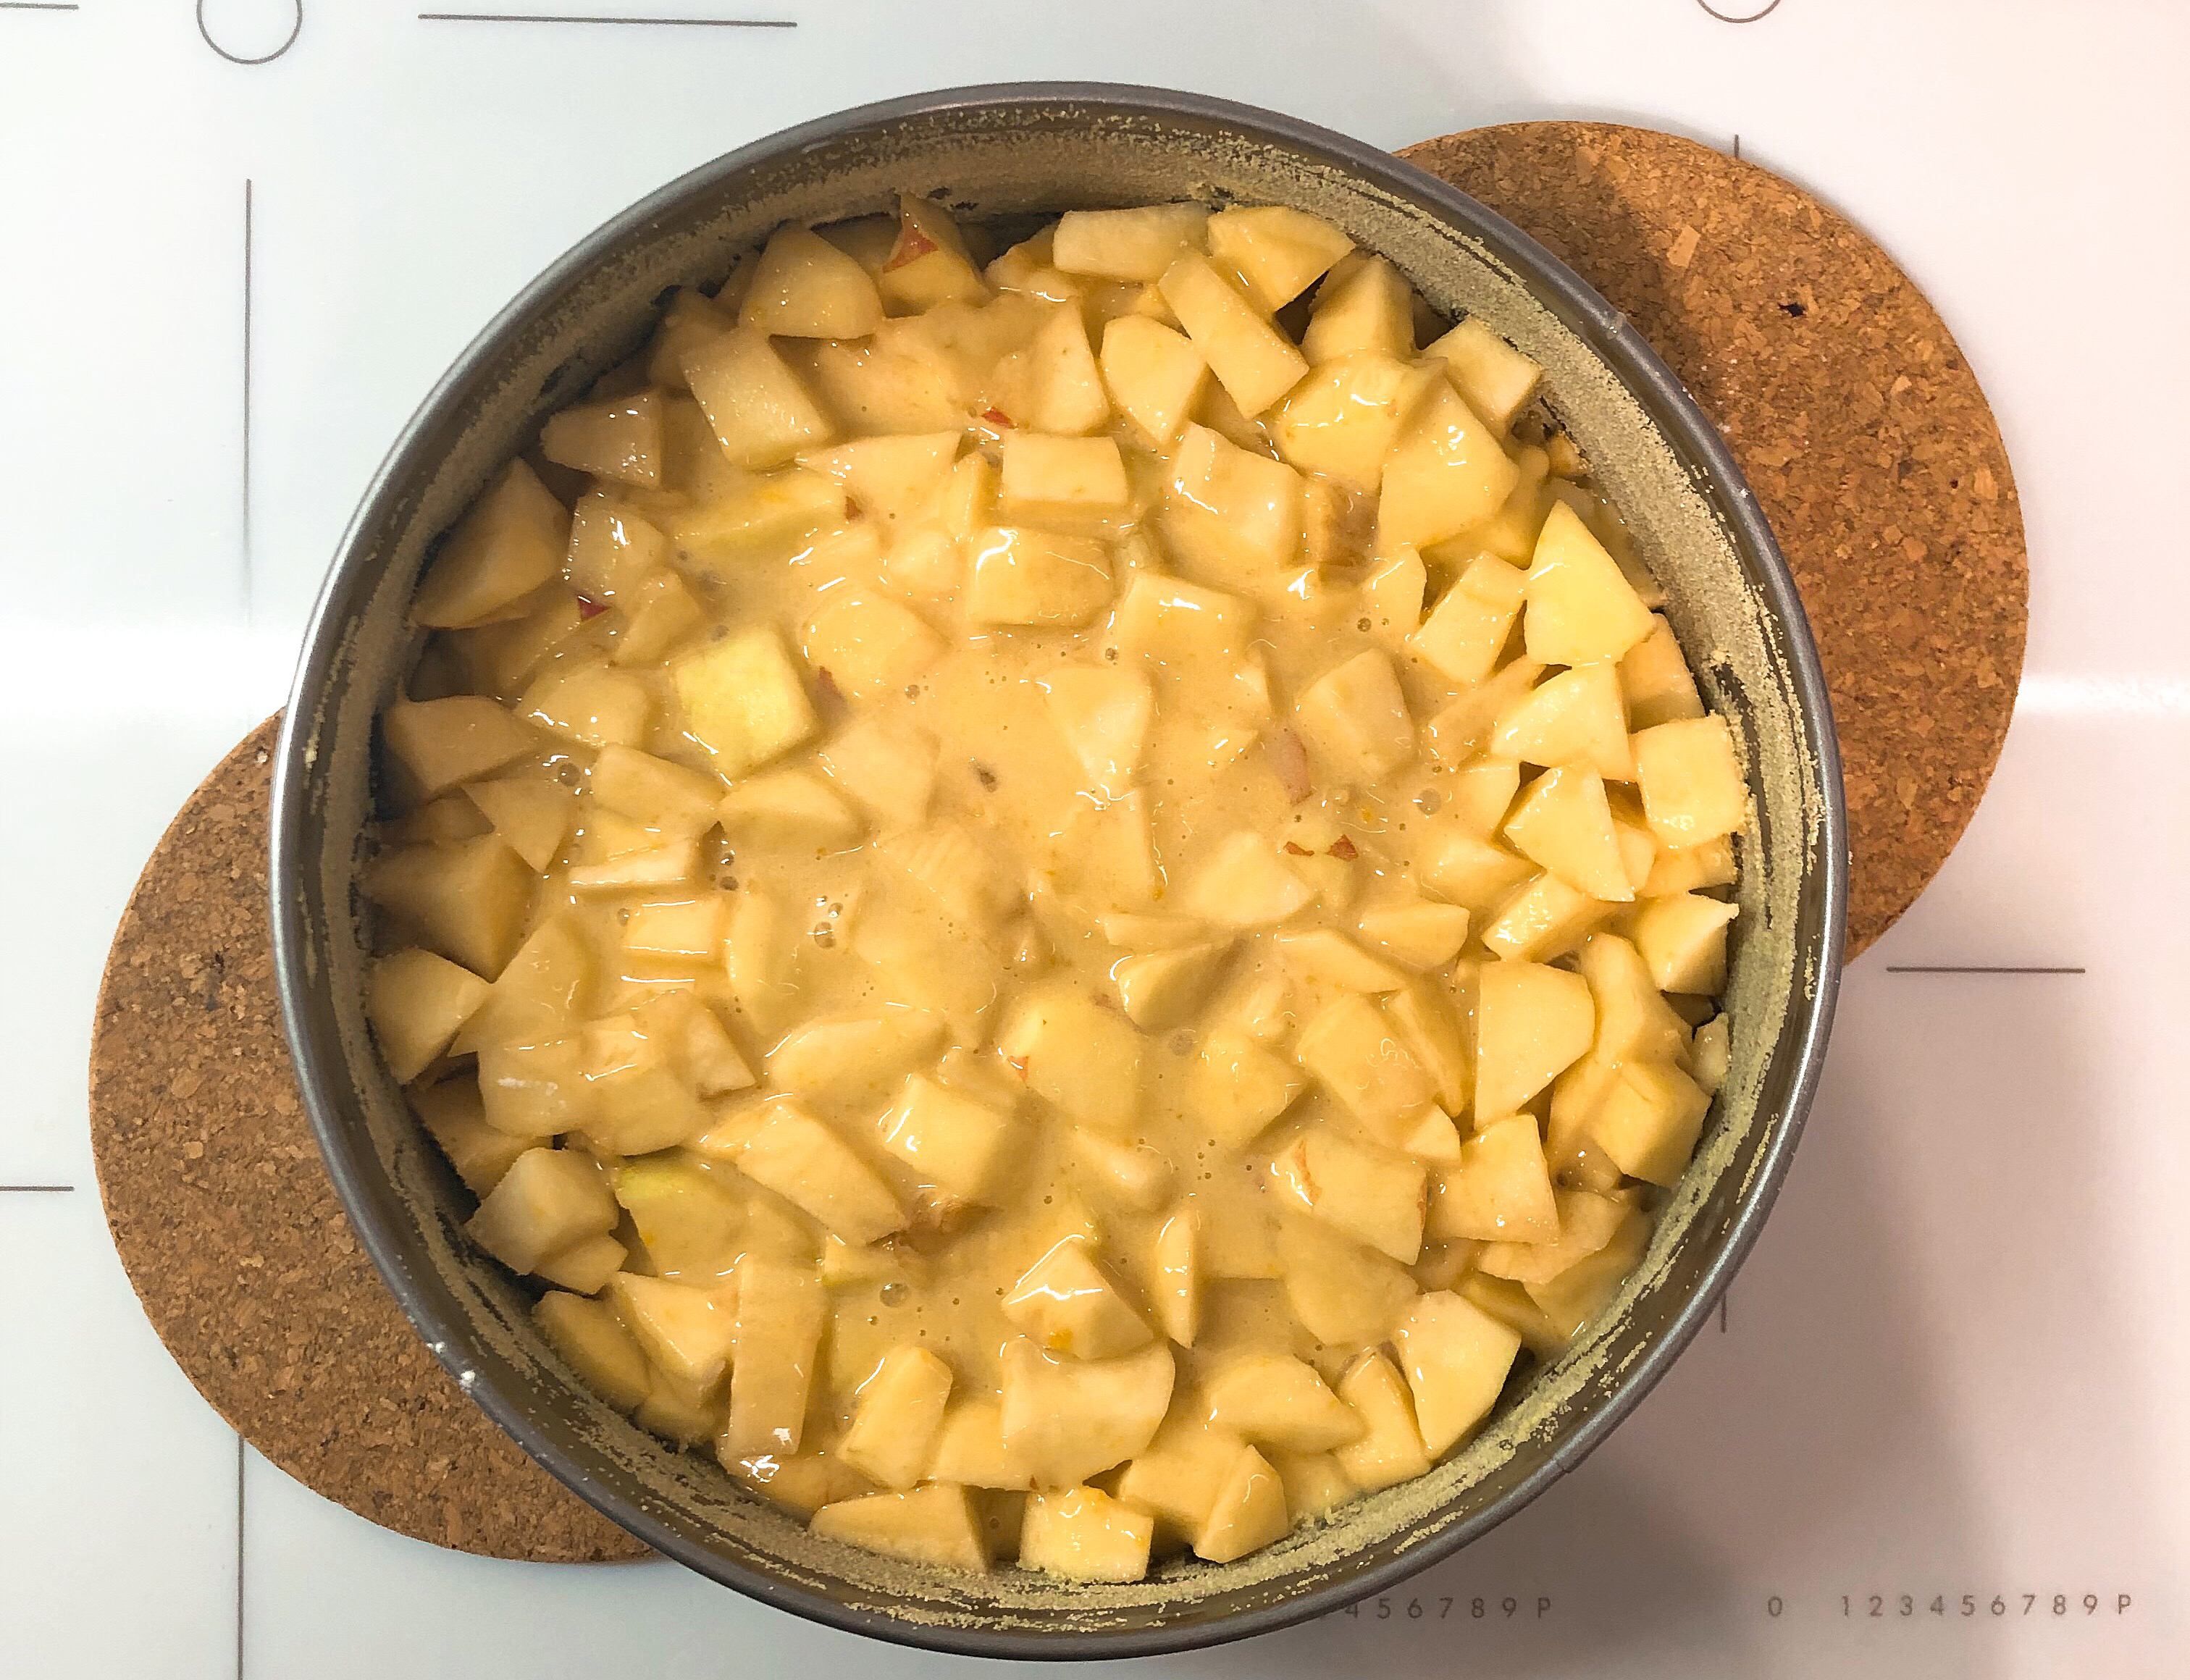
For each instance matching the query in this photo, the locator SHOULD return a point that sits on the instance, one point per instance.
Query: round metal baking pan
(1003, 150)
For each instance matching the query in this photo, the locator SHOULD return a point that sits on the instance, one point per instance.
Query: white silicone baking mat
(1942, 1429)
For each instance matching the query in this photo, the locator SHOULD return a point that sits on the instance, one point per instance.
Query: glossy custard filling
(1064, 900)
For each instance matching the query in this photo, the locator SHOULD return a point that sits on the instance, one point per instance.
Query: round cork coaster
(1859, 423)
(232, 1235)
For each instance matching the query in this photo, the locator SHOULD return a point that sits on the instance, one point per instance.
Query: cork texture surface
(1859, 424)
(232, 1236)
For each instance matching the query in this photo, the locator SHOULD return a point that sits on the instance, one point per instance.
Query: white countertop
(1956, 1364)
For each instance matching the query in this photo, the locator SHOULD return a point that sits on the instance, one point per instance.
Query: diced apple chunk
(1582, 610)
(691, 1222)
(789, 808)
(549, 1200)
(653, 866)
(1711, 1053)
(1155, 375)
(1650, 1120)
(805, 287)
(1277, 252)
(531, 814)
(954, 864)
(685, 1330)
(1238, 1087)
(1389, 1450)
(959, 1141)
(1328, 956)
(1634, 1023)
(533, 1091)
(1688, 869)
(1429, 1028)
(1500, 1190)
(1137, 244)
(1420, 933)
(1459, 730)
(1070, 1420)
(1139, 1175)
(970, 1448)
(467, 901)
(1682, 940)
(1276, 1401)
(1543, 922)
(584, 1268)
(896, 1417)
(1248, 1512)
(762, 414)
(1531, 1023)
(1475, 873)
(616, 438)
(1368, 1193)
(1587, 1223)
(1691, 781)
(453, 1113)
(1083, 1533)
(417, 1004)
(1355, 1053)
(1052, 383)
(1578, 1293)
(935, 1525)
(1391, 595)
(889, 770)
(1446, 472)
(508, 543)
(1656, 681)
(1370, 308)
(1455, 1357)
(1067, 1304)
(927, 262)
(612, 551)
(868, 644)
(1164, 620)
(809, 1165)
(1064, 483)
(897, 480)
(655, 792)
(1574, 717)
(1077, 1054)
(1565, 824)
(1468, 628)
(1497, 380)
(1023, 576)
(458, 739)
(1253, 361)
(1353, 717)
(782, 1308)
(594, 1344)
(1105, 714)
(1159, 989)
(1341, 421)
(798, 1482)
(744, 700)
(1175, 1280)
(1341, 1291)
(638, 1097)
(1230, 515)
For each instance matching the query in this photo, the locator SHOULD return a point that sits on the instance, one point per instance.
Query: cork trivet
(1858, 422)
(232, 1235)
